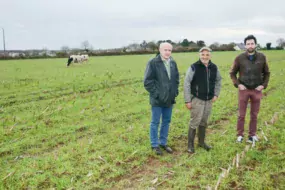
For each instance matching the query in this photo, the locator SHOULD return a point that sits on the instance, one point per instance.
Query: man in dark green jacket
(161, 80)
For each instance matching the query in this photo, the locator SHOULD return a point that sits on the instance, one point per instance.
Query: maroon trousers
(243, 97)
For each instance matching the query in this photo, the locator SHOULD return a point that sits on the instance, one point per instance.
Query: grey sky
(115, 23)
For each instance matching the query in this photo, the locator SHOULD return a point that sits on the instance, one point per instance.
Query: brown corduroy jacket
(251, 73)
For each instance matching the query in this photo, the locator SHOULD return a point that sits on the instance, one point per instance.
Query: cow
(77, 59)
(84, 58)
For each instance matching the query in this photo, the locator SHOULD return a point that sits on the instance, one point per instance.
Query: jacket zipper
(207, 82)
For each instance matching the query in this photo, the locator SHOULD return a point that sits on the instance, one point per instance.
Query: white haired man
(161, 80)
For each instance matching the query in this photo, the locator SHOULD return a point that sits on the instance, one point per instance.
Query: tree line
(145, 47)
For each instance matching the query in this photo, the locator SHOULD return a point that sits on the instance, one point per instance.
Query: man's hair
(163, 44)
(250, 37)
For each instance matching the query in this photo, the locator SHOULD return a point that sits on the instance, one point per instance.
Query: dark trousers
(243, 97)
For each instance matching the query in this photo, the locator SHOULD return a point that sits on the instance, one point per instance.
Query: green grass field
(87, 127)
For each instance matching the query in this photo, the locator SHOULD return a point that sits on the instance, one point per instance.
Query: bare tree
(280, 42)
(143, 45)
(65, 49)
(86, 45)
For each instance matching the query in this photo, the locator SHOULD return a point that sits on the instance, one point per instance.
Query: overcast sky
(37, 24)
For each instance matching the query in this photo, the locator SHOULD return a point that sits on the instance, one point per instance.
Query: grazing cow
(77, 59)
(84, 58)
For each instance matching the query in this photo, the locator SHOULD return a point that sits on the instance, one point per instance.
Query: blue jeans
(156, 113)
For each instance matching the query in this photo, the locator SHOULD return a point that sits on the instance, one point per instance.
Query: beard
(250, 50)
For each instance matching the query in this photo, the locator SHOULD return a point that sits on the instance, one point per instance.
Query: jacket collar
(160, 59)
(209, 64)
(254, 55)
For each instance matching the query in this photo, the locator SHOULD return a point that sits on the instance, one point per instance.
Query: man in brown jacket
(253, 77)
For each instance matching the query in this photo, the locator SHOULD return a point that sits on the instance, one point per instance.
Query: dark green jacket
(162, 90)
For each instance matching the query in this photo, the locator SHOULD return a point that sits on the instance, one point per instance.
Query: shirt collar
(164, 60)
